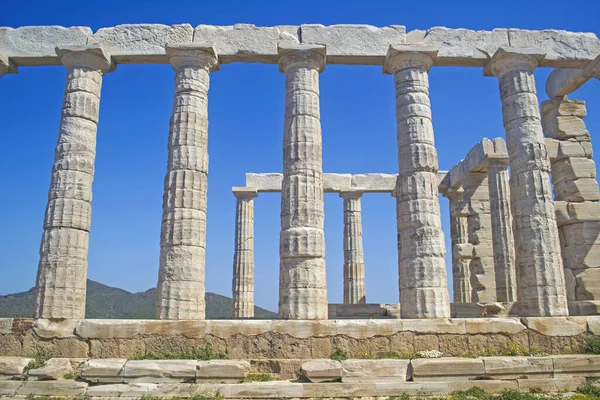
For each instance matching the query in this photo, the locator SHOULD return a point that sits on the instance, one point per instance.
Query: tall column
(576, 198)
(62, 270)
(243, 257)
(302, 286)
(502, 231)
(479, 222)
(354, 262)
(421, 250)
(462, 251)
(540, 277)
(180, 291)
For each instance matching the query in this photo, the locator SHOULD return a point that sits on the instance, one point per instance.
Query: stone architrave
(540, 277)
(502, 231)
(180, 291)
(243, 257)
(421, 250)
(62, 270)
(479, 223)
(575, 187)
(462, 251)
(302, 286)
(354, 263)
(4, 64)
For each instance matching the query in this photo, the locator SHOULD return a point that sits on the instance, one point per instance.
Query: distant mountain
(105, 302)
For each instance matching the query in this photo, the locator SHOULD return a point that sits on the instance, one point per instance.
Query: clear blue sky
(246, 106)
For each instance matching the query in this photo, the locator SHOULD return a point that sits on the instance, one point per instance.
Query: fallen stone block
(52, 388)
(322, 370)
(518, 367)
(9, 388)
(156, 371)
(53, 369)
(550, 385)
(446, 369)
(107, 370)
(222, 371)
(366, 371)
(13, 366)
(577, 365)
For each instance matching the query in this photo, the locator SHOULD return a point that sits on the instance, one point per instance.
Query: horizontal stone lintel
(355, 328)
(333, 183)
(346, 44)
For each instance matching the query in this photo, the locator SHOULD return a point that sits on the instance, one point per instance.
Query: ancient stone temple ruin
(524, 214)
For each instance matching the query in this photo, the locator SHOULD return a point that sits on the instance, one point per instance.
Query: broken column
(576, 200)
(354, 264)
(462, 250)
(421, 250)
(180, 291)
(479, 227)
(243, 257)
(302, 286)
(502, 229)
(540, 277)
(62, 270)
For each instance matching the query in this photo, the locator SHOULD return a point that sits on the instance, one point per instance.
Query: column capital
(241, 192)
(84, 56)
(507, 59)
(351, 194)
(301, 55)
(409, 56)
(200, 55)
(6, 66)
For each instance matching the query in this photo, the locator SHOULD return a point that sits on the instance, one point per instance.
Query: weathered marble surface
(346, 44)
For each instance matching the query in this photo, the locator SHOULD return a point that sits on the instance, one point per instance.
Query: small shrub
(71, 375)
(39, 359)
(591, 346)
(258, 378)
(339, 355)
(203, 354)
(389, 355)
(590, 390)
(429, 354)
(403, 396)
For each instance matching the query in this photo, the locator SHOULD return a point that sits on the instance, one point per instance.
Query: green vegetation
(258, 378)
(339, 355)
(39, 359)
(107, 302)
(591, 346)
(203, 354)
(72, 375)
(509, 350)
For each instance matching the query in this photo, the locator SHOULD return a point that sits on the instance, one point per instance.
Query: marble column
(540, 277)
(479, 222)
(421, 250)
(302, 286)
(62, 270)
(502, 231)
(180, 291)
(243, 257)
(461, 259)
(354, 262)
(576, 198)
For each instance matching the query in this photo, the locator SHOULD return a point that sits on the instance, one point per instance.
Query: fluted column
(540, 278)
(302, 286)
(502, 230)
(62, 270)
(462, 251)
(354, 262)
(243, 257)
(180, 291)
(422, 269)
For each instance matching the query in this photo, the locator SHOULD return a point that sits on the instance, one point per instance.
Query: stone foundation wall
(282, 340)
